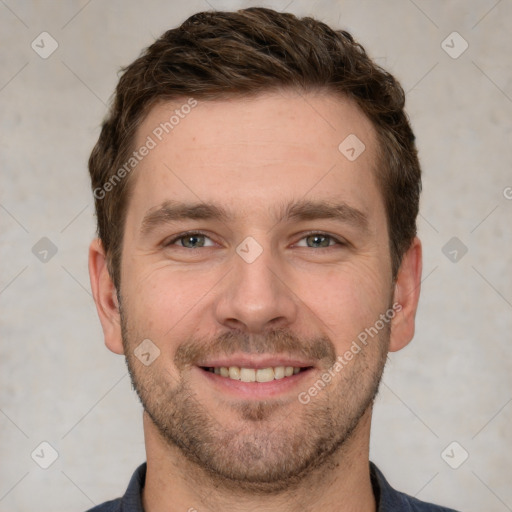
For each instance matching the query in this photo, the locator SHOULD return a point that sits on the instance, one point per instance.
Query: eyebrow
(170, 211)
(301, 210)
(313, 210)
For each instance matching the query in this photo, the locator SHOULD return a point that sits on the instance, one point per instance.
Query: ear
(406, 294)
(105, 297)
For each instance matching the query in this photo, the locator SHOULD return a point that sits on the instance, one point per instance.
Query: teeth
(264, 374)
(247, 375)
(234, 372)
(278, 372)
(255, 375)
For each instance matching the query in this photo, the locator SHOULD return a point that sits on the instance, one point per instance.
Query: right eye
(190, 240)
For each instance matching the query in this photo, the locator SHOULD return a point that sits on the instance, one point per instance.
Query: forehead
(251, 152)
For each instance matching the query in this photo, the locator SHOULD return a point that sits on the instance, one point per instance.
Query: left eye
(317, 240)
(191, 241)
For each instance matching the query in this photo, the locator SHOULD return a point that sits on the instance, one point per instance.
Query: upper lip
(255, 361)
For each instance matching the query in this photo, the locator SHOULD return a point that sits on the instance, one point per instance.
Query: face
(255, 255)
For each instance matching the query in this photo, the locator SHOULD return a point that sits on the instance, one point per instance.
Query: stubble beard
(263, 451)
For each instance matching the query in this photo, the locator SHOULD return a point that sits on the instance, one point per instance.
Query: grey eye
(318, 240)
(193, 241)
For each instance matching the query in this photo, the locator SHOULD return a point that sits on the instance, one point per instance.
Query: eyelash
(305, 235)
(183, 235)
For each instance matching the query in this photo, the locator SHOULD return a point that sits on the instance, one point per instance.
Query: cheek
(348, 299)
(161, 300)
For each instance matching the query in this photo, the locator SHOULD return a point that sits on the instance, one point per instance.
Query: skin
(210, 447)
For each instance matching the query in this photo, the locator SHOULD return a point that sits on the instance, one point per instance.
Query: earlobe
(407, 292)
(105, 297)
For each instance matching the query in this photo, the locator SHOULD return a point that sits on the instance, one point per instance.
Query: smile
(255, 374)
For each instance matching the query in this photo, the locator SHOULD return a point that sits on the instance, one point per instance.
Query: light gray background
(60, 384)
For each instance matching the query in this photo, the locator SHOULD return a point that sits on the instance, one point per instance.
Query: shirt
(388, 500)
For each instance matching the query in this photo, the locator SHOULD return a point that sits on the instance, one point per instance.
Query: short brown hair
(220, 55)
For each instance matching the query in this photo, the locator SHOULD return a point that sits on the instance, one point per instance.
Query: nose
(256, 296)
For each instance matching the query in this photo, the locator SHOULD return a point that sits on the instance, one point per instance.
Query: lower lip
(257, 390)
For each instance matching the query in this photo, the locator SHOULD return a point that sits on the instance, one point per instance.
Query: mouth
(247, 374)
(256, 378)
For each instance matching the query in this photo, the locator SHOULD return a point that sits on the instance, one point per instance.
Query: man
(257, 187)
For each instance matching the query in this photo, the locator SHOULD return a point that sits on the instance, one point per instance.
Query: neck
(341, 484)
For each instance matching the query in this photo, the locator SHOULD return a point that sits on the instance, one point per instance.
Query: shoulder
(132, 499)
(108, 506)
(414, 505)
(391, 500)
